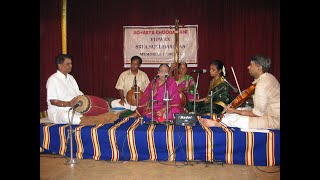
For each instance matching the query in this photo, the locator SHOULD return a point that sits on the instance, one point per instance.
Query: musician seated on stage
(159, 84)
(126, 82)
(221, 96)
(62, 93)
(185, 83)
(266, 100)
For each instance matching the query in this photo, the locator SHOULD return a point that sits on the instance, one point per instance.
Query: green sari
(221, 97)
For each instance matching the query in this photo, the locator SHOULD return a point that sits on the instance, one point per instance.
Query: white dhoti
(63, 117)
(236, 120)
(115, 103)
(242, 122)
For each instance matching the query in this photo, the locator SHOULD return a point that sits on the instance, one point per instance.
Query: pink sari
(144, 107)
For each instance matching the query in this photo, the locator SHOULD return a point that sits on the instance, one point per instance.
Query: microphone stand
(136, 92)
(152, 121)
(137, 102)
(166, 99)
(211, 104)
(211, 101)
(71, 160)
(136, 95)
(194, 93)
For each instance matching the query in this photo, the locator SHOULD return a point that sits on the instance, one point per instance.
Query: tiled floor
(55, 167)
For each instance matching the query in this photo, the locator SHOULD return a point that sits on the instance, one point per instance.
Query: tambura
(183, 99)
(92, 105)
(131, 96)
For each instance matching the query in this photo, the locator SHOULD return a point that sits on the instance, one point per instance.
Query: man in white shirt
(61, 89)
(62, 93)
(126, 81)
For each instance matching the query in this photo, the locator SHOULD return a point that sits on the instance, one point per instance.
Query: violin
(242, 97)
(134, 93)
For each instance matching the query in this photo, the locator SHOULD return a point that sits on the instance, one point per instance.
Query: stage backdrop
(228, 30)
(156, 44)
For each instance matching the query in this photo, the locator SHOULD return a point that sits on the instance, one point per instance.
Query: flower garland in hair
(223, 71)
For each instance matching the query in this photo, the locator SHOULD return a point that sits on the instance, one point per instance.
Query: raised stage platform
(128, 140)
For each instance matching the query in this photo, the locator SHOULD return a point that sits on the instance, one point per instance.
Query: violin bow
(235, 77)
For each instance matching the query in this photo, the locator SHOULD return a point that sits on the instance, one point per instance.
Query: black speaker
(185, 119)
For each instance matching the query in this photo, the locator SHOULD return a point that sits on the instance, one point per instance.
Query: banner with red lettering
(156, 44)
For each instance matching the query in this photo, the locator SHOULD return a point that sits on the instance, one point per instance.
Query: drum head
(86, 104)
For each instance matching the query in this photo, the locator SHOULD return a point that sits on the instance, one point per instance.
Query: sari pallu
(187, 85)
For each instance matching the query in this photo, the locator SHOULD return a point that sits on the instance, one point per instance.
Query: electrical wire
(268, 171)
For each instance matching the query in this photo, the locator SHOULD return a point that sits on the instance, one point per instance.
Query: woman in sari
(221, 96)
(185, 83)
(162, 83)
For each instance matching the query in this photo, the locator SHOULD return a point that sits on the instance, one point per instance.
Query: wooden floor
(56, 167)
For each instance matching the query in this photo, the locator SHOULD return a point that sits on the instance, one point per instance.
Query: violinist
(126, 82)
(220, 90)
(265, 113)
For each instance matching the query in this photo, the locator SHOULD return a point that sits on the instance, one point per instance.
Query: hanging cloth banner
(155, 44)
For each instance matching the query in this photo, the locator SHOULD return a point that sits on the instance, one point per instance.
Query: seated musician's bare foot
(209, 122)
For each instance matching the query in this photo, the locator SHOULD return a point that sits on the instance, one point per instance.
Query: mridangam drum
(92, 105)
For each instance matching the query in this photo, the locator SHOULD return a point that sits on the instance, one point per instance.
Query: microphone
(235, 90)
(79, 103)
(200, 71)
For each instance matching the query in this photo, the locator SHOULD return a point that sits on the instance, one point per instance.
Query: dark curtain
(50, 43)
(229, 30)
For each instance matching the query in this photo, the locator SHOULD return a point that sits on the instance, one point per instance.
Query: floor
(56, 167)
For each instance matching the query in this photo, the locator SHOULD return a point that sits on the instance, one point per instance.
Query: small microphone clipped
(79, 103)
(199, 71)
